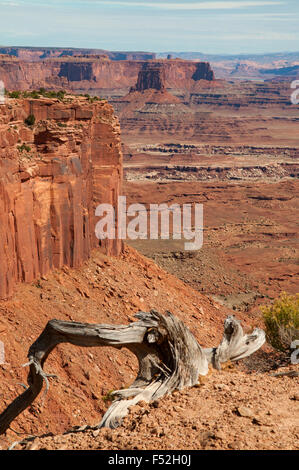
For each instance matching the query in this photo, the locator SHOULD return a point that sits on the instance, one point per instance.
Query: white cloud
(187, 6)
(9, 4)
(221, 5)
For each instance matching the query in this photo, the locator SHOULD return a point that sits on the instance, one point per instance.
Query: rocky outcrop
(172, 74)
(76, 72)
(203, 72)
(149, 89)
(151, 76)
(52, 176)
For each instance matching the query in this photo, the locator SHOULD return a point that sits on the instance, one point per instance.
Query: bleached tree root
(169, 358)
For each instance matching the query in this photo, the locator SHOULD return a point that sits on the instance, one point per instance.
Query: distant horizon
(219, 27)
(153, 51)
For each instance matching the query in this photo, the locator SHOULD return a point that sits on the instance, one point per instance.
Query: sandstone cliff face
(20, 75)
(203, 72)
(52, 176)
(99, 75)
(151, 76)
(77, 72)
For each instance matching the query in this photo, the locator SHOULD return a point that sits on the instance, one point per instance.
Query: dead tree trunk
(169, 358)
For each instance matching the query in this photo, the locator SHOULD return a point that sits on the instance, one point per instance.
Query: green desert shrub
(24, 148)
(14, 94)
(52, 94)
(30, 120)
(282, 321)
(60, 94)
(34, 94)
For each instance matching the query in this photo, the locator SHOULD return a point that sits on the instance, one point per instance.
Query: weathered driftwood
(169, 358)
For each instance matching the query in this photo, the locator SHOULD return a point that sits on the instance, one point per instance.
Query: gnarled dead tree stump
(169, 358)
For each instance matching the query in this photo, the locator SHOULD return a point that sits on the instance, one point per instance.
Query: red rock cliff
(97, 75)
(52, 176)
(151, 76)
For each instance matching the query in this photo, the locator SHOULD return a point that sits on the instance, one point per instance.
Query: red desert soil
(111, 290)
(230, 410)
(104, 290)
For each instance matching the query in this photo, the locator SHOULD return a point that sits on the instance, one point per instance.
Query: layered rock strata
(52, 176)
(99, 75)
(151, 76)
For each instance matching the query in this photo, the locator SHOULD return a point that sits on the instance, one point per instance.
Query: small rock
(220, 435)
(223, 387)
(295, 397)
(33, 446)
(155, 430)
(262, 421)
(245, 412)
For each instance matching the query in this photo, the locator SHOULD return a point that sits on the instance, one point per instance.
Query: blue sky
(209, 26)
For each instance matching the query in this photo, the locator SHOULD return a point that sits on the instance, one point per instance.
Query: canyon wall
(53, 174)
(98, 74)
(151, 76)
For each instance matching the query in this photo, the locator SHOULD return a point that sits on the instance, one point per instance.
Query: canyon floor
(250, 239)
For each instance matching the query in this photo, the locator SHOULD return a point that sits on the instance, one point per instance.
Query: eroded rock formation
(100, 75)
(52, 176)
(151, 76)
(203, 72)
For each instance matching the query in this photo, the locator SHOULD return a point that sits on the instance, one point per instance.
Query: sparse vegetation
(42, 92)
(24, 148)
(108, 397)
(36, 94)
(14, 94)
(91, 99)
(30, 120)
(282, 321)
